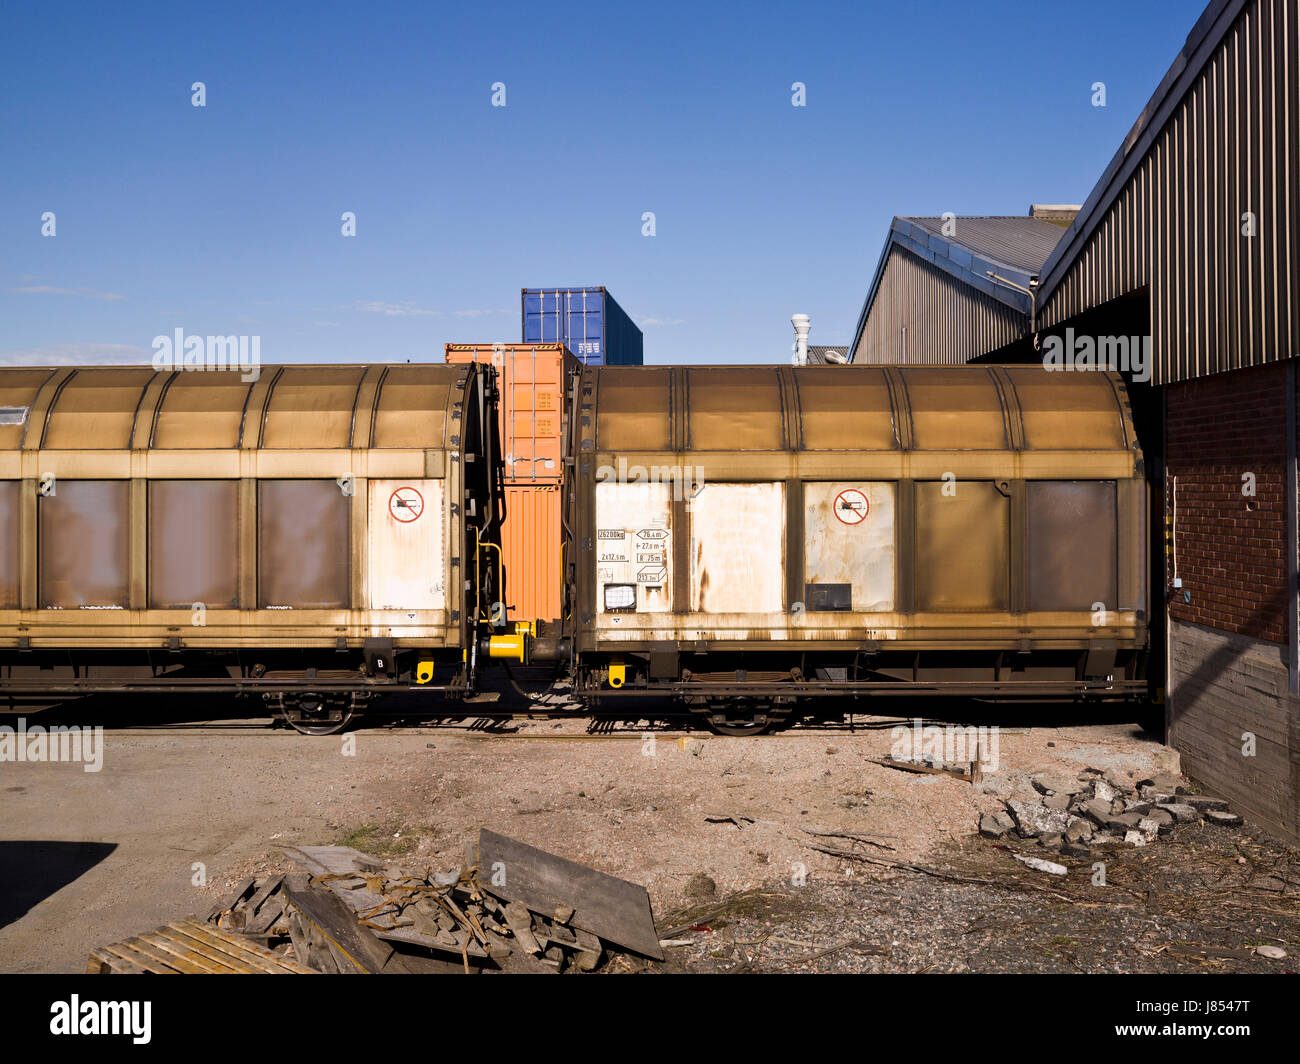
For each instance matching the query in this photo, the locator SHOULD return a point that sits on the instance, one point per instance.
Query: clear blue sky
(226, 219)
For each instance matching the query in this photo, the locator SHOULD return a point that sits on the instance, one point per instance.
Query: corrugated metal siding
(1024, 243)
(1219, 300)
(530, 543)
(946, 322)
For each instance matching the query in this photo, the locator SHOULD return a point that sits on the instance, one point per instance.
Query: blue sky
(226, 219)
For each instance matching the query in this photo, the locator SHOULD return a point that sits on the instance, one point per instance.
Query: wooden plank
(608, 907)
(121, 949)
(338, 924)
(232, 900)
(267, 889)
(415, 938)
(238, 949)
(168, 944)
(221, 954)
(168, 958)
(102, 962)
(270, 912)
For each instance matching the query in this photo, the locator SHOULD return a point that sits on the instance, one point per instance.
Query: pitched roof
(1012, 247)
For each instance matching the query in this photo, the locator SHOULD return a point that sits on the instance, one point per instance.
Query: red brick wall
(1231, 557)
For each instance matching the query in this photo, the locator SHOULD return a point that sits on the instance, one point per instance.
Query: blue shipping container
(588, 321)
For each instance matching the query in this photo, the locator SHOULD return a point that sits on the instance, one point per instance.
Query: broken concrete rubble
(1098, 814)
(1033, 818)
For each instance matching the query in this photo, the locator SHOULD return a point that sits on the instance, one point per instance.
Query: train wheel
(739, 718)
(316, 716)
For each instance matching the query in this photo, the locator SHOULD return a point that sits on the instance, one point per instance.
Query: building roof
(1206, 35)
(817, 354)
(1012, 247)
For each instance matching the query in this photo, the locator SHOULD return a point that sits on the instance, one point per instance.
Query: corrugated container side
(533, 379)
(588, 321)
(624, 342)
(530, 541)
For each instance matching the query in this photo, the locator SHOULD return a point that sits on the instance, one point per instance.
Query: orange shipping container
(533, 381)
(530, 541)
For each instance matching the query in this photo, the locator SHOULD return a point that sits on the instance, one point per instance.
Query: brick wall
(1231, 547)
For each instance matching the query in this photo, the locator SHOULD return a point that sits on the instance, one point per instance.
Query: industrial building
(1190, 239)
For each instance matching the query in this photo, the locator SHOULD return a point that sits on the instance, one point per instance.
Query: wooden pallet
(188, 947)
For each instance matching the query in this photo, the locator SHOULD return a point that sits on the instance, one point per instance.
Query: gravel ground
(643, 802)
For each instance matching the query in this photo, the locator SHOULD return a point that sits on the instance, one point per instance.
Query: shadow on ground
(32, 871)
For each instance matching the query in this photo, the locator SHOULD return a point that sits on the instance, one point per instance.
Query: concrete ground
(92, 858)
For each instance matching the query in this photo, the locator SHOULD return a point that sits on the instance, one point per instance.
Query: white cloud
(84, 293)
(77, 354)
(396, 310)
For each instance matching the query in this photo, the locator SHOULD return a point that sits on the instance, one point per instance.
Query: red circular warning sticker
(406, 505)
(852, 506)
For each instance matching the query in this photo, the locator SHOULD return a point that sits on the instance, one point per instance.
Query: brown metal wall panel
(193, 544)
(636, 406)
(83, 551)
(95, 409)
(412, 407)
(845, 413)
(962, 547)
(303, 550)
(1067, 411)
(311, 407)
(735, 411)
(200, 410)
(10, 558)
(955, 409)
(18, 390)
(1073, 547)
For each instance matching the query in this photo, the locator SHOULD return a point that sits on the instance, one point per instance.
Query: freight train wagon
(316, 536)
(750, 539)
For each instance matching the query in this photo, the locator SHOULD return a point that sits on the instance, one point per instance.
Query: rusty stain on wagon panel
(738, 548)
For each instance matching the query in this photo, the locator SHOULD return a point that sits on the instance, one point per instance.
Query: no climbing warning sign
(852, 506)
(406, 505)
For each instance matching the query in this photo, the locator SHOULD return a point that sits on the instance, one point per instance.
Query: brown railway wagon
(747, 537)
(312, 535)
